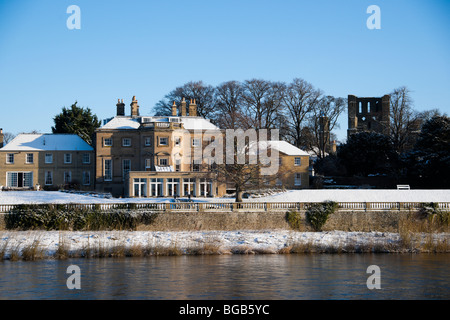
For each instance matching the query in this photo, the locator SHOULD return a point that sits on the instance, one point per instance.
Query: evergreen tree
(77, 120)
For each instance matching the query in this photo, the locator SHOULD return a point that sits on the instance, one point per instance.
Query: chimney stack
(134, 107)
(1, 138)
(193, 108)
(174, 109)
(183, 107)
(120, 107)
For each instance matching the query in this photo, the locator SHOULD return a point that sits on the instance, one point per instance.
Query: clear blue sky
(147, 48)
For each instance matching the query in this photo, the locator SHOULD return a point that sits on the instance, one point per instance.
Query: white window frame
(126, 142)
(198, 140)
(109, 140)
(298, 179)
(65, 158)
(10, 158)
(86, 158)
(67, 176)
(147, 141)
(125, 170)
(48, 174)
(110, 175)
(28, 157)
(165, 139)
(49, 158)
(163, 159)
(299, 163)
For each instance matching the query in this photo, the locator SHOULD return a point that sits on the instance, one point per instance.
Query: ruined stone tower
(368, 114)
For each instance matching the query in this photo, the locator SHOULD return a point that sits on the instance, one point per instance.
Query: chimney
(134, 107)
(120, 107)
(193, 108)
(174, 109)
(1, 138)
(183, 107)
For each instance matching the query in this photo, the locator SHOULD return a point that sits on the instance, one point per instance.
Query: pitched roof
(189, 123)
(284, 147)
(47, 142)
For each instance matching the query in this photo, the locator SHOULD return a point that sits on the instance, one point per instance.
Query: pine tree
(77, 120)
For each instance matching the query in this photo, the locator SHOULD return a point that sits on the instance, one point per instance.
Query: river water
(232, 277)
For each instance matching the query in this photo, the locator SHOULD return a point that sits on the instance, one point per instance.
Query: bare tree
(8, 137)
(203, 94)
(403, 118)
(299, 99)
(328, 110)
(229, 99)
(262, 100)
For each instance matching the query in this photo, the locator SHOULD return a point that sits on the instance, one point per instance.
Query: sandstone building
(368, 114)
(47, 160)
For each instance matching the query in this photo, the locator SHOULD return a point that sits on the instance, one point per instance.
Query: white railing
(233, 206)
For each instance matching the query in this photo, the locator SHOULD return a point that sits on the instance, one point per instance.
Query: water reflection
(285, 277)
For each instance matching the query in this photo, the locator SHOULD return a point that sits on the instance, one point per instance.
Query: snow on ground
(338, 195)
(359, 195)
(226, 241)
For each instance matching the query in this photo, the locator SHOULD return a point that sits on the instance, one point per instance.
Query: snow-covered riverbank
(106, 243)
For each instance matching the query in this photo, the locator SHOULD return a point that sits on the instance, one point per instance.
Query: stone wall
(383, 221)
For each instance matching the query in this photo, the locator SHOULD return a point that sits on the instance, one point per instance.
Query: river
(231, 277)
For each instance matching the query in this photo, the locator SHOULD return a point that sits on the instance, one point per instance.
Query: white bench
(403, 187)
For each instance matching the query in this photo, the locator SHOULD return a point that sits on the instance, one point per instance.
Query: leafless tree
(262, 100)
(330, 108)
(229, 100)
(203, 94)
(404, 121)
(299, 99)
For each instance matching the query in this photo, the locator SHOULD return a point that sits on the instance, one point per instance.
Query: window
(48, 178)
(30, 158)
(10, 158)
(163, 141)
(67, 158)
(108, 170)
(298, 161)
(67, 176)
(86, 178)
(148, 141)
(126, 167)
(19, 179)
(298, 179)
(126, 142)
(148, 164)
(86, 158)
(196, 142)
(163, 162)
(107, 142)
(48, 158)
(177, 141)
(177, 165)
(140, 187)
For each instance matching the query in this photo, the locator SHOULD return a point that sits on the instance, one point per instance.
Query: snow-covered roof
(122, 122)
(47, 142)
(284, 147)
(197, 123)
(189, 123)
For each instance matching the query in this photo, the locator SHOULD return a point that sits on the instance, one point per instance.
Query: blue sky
(147, 48)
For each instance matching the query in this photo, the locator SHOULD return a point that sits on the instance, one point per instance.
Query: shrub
(294, 219)
(317, 214)
(69, 217)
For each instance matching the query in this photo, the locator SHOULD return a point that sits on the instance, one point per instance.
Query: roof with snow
(47, 142)
(130, 123)
(284, 147)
